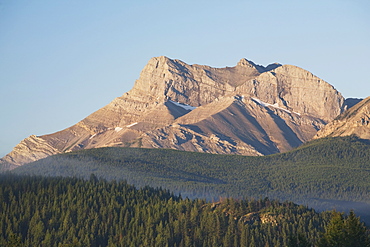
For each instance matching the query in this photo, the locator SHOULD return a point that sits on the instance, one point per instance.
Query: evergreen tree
(355, 232)
(344, 232)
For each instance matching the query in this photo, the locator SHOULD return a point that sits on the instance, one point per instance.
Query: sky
(62, 60)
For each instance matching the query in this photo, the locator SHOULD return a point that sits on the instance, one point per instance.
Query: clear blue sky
(62, 60)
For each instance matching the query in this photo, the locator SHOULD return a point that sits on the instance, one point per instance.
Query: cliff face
(196, 85)
(247, 109)
(30, 149)
(355, 121)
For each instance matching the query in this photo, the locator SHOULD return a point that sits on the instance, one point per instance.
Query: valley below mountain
(324, 174)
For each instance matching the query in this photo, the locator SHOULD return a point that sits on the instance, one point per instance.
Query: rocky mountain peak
(246, 109)
(290, 86)
(249, 64)
(246, 63)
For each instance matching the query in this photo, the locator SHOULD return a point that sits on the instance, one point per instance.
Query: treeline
(325, 173)
(41, 211)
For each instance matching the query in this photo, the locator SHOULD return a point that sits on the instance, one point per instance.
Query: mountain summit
(248, 109)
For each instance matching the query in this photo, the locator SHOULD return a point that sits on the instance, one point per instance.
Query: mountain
(355, 121)
(248, 109)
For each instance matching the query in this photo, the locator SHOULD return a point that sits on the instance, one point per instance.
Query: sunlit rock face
(248, 109)
(354, 121)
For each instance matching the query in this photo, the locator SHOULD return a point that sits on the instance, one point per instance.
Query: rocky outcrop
(196, 85)
(354, 121)
(247, 109)
(262, 217)
(30, 149)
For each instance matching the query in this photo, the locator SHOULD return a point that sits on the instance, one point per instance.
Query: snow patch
(130, 125)
(117, 129)
(185, 106)
(276, 105)
(91, 137)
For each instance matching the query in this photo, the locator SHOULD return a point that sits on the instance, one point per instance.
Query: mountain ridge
(282, 105)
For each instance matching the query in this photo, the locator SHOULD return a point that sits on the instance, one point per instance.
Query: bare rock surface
(247, 109)
(30, 149)
(354, 121)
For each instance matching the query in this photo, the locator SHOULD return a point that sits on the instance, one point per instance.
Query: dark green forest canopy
(62, 211)
(325, 173)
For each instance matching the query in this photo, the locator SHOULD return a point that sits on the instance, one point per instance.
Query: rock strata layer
(355, 121)
(248, 109)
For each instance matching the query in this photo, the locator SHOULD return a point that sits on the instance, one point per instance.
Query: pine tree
(14, 240)
(334, 232)
(355, 232)
(340, 232)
